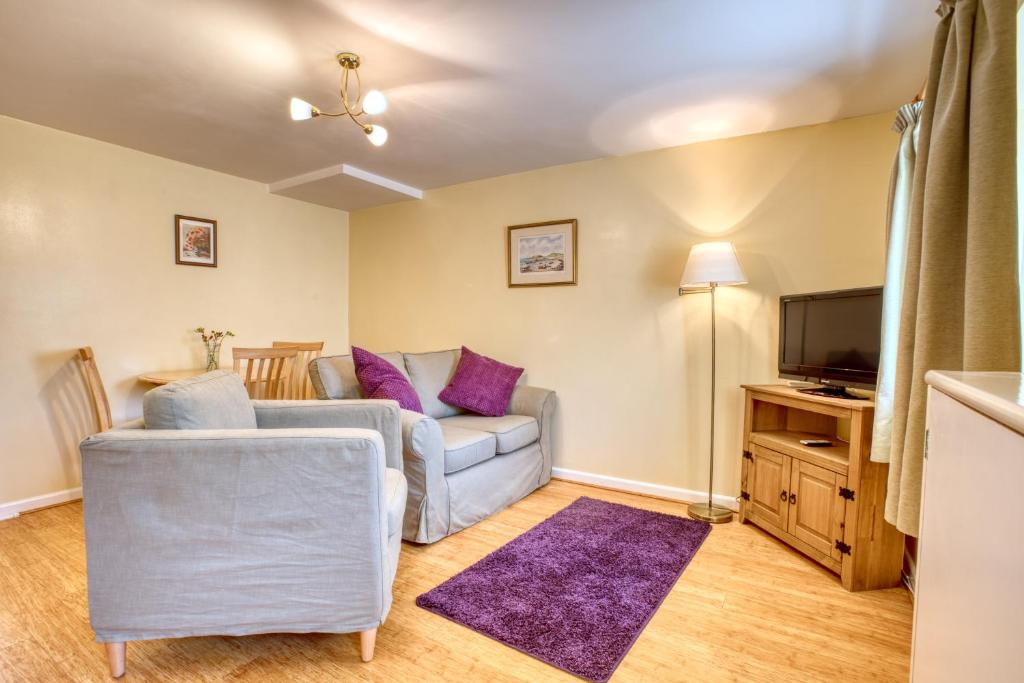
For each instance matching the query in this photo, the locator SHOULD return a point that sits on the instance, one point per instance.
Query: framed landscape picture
(542, 254)
(195, 241)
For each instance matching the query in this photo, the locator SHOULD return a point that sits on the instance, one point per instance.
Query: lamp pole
(709, 266)
(716, 514)
(714, 365)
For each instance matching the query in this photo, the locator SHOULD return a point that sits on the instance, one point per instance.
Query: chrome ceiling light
(354, 107)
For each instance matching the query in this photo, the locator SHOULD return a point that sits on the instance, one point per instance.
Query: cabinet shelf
(835, 457)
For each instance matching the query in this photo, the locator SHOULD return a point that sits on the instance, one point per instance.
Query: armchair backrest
(214, 400)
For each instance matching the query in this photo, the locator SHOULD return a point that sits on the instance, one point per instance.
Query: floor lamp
(711, 265)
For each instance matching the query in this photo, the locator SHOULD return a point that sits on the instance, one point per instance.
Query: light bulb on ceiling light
(375, 102)
(377, 135)
(301, 110)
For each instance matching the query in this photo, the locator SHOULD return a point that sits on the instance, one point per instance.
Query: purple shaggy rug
(576, 590)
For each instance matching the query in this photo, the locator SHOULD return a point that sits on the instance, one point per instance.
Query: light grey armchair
(460, 468)
(224, 516)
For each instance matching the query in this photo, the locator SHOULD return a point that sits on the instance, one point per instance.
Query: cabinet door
(769, 487)
(816, 510)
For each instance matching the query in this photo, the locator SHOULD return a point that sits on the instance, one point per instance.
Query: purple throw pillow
(380, 379)
(481, 385)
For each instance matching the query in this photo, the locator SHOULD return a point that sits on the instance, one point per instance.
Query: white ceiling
(477, 88)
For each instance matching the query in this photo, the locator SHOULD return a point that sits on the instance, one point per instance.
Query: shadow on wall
(68, 406)
(557, 439)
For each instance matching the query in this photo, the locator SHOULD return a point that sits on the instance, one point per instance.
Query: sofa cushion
(465, 447)
(430, 373)
(334, 377)
(395, 488)
(481, 384)
(214, 400)
(511, 431)
(380, 379)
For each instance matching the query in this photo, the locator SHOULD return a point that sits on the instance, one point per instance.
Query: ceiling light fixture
(354, 107)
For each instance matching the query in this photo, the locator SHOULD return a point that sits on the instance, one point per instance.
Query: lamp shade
(377, 135)
(374, 102)
(712, 262)
(300, 109)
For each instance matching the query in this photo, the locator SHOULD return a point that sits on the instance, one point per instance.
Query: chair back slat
(299, 385)
(97, 393)
(267, 371)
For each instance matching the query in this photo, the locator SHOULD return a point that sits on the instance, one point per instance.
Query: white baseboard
(642, 487)
(15, 508)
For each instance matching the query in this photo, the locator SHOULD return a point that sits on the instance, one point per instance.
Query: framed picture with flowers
(195, 241)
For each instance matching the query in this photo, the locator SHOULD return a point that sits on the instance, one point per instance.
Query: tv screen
(831, 336)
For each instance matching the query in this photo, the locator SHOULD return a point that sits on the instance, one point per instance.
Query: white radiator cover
(969, 597)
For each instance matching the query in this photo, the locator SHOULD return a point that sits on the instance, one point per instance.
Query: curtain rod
(919, 97)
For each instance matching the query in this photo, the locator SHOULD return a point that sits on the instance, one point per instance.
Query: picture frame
(195, 241)
(542, 254)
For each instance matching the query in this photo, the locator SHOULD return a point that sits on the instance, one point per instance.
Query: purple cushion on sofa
(481, 385)
(380, 379)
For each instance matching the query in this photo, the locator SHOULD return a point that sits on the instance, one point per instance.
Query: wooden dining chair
(300, 386)
(266, 372)
(97, 393)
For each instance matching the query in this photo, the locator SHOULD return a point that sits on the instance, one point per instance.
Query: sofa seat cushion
(511, 432)
(395, 488)
(465, 447)
(213, 400)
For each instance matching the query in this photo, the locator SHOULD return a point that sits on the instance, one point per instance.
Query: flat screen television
(833, 338)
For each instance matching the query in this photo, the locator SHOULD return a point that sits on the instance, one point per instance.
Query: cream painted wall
(87, 258)
(627, 356)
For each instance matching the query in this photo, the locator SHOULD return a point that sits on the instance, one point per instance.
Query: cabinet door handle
(792, 499)
(782, 496)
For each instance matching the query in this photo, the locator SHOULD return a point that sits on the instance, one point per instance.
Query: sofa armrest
(378, 415)
(193, 532)
(539, 404)
(426, 510)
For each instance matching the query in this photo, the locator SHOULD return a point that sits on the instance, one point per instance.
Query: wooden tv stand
(827, 502)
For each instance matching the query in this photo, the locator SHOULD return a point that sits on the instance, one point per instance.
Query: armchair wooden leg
(115, 658)
(367, 639)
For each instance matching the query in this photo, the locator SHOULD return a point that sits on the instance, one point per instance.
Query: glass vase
(212, 356)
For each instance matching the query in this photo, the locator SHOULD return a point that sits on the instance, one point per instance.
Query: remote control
(815, 443)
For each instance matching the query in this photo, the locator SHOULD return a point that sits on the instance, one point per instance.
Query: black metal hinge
(843, 548)
(744, 495)
(845, 493)
(748, 455)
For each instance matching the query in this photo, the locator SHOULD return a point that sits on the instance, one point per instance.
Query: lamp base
(716, 514)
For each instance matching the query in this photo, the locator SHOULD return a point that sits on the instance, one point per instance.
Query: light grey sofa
(460, 467)
(218, 515)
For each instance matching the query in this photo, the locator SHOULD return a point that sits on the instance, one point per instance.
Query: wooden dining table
(160, 377)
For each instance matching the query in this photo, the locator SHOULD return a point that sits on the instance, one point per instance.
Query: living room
(561, 276)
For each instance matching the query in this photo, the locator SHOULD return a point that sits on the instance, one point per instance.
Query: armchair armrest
(189, 531)
(378, 415)
(426, 509)
(539, 404)
(137, 423)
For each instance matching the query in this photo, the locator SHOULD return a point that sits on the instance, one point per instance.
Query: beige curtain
(960, 306)
(901, 191)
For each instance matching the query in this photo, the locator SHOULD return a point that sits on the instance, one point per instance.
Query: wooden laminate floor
(746, 609)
